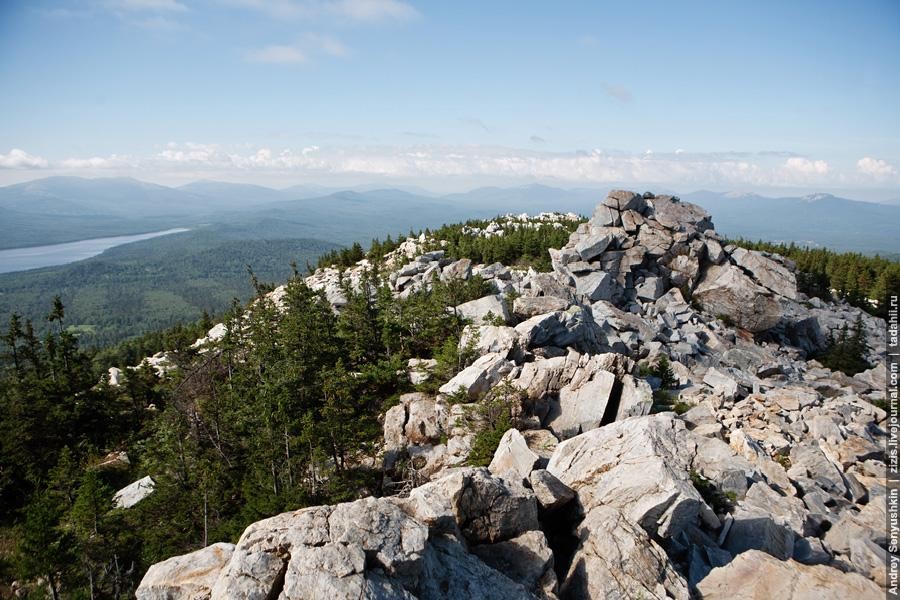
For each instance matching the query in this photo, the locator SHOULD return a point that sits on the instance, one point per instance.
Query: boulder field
(768, 482)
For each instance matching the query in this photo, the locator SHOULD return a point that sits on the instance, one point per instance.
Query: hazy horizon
(771, 98)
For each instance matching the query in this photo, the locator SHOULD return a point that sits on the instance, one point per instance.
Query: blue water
(22, 259)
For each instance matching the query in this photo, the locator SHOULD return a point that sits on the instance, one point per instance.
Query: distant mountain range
(63, 209)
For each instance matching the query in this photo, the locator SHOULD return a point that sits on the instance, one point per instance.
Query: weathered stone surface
(551, 493)
(721, 382)
(866, 523)
(346, 551)
(191, 576)
(755, 575)
(460, 269)
(426, 418)
(808, 460)
(478, 377)
(513, 458)
(622, 200)
(542, 442)
(134, 492)
(526, 559)
(724, 290)
(574, 327)
(617, 559)
(636, 398)
(486, 509)
(527, 306)
(486, 339)
(651, 289)
(767, 272)
(484, 309)
(679, 216)
(591, 246)
(449, 571)
(597, 285)
(581, 407)
(757, 530)
(419, 369)
(641, 466)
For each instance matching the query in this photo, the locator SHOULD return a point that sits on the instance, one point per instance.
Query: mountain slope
(817, 220)
(155, 283)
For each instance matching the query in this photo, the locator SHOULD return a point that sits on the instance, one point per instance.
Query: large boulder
(478, 377)
(526, 559)
(513, 458)
(640, 466)
(480, 506)
(618, 559)
(485, 339)
(484, 309)
(581, 405)
(725, 291)
(191, 576)
(769, 273)
(754, 575)
(134, 492)
(346, 551)
(449, 571)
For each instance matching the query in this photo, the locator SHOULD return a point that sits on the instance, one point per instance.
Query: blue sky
(751, 96)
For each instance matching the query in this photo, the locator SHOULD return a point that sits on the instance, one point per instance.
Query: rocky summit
(670, 437)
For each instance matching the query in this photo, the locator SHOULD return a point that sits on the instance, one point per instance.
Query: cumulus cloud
(19, 159)
(875, 167)
(436, 161)
(113, 161)
(805, 166)
(438, 165)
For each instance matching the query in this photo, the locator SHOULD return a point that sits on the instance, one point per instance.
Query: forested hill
(153, 284)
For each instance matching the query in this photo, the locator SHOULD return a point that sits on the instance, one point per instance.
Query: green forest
(153, 284)
(282, 415)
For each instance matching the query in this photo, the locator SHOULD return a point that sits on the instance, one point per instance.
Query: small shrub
(719, 501)
(492, 416)
(681, 407)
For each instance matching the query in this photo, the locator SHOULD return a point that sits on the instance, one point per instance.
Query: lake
(35, 257)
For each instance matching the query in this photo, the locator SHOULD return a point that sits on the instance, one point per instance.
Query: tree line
(863, 281)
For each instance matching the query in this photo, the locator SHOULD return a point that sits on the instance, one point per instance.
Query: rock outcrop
(768, 484)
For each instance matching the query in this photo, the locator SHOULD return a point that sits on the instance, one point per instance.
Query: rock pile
(770, 484)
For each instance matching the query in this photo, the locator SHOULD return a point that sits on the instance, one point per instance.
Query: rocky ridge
(770, 484)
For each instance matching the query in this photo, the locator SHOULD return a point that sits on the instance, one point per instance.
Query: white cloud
(324, 44)
(442, 165)
(875, 167)
(147, 5)
(374, 10)
(19, 159)
(363, 11)
(113, 161)
(804, 166)
(277, 55)
(308, 46)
